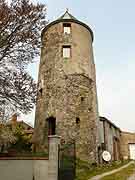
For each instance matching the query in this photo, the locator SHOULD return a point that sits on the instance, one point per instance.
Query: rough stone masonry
(67, 98)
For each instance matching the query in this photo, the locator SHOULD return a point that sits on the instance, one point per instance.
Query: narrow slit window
(82, 99)
(67, 28)
(66, 51)
(77, 120)
(41, 85)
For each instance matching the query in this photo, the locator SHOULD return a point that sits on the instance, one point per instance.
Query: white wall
(40, 169)
(16, 169)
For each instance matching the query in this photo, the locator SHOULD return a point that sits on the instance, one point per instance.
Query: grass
(121, 175)
(85, 171)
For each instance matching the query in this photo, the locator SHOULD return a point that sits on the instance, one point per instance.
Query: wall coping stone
(24, 158)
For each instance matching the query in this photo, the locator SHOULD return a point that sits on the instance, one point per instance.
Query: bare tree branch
(21, 22)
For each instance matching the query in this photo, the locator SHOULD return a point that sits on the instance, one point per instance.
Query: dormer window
(66, 51)
(67, 28)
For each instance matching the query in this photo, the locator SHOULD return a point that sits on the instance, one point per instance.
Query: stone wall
(68, 91)
(126, 139)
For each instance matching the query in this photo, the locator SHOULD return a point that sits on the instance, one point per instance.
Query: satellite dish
(106, 156)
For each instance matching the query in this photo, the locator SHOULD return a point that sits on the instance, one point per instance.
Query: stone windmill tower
(67, 100)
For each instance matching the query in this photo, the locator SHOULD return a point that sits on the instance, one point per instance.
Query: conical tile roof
(67, 17)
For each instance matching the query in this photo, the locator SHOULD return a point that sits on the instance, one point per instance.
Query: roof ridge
(67, 15)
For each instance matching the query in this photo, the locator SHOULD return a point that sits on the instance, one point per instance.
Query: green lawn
(121, 175)
(85, 171)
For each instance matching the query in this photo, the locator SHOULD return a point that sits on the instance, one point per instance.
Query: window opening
(77, 120)
(82, 99)
(51, 126)
(66, 51)
(41, 90)
(67, 28)
(41, 85)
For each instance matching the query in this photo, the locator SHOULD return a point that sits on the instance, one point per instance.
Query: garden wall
(32, 168)
(19, 169)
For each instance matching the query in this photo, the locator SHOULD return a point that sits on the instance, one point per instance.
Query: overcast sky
(113, 23)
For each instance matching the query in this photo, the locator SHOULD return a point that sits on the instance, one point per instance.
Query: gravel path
(131, 177)
(98, 177)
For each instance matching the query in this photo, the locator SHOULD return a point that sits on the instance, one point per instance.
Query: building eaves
(105, 119)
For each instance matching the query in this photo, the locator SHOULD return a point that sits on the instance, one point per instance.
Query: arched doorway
(51, 125)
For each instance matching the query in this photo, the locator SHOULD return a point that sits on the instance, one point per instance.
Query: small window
(82, 99)
(67, 28)
(66, 51)
(41, 85)
(41, 90)
(77, 120)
